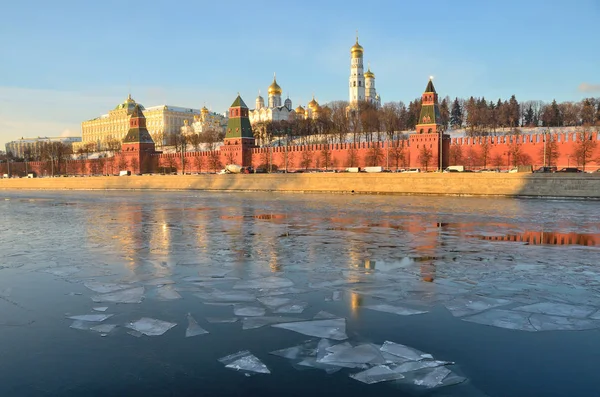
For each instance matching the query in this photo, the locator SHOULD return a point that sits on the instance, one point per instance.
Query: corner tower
(138, 146)
(429, 146)
(357, 78)
(239, 139)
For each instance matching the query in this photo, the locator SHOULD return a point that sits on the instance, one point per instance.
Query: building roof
(239, 102)
(430, 87)
(138, 134)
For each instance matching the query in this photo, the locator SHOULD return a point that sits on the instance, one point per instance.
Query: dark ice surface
(354, 295)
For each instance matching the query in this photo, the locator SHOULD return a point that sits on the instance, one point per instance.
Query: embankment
(532, 185)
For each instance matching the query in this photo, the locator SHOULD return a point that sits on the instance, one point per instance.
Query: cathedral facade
(275, 110)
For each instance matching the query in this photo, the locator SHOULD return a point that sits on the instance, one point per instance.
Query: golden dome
(204, 109)
(274, 88)
(369, 74)
(300, 110)
(313, 104)
(356, 51)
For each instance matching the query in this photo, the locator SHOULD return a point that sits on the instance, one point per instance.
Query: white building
(205, 121)
(26, 147)
(362, 85)
(274, 111)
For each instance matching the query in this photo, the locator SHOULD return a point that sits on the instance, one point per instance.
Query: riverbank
(515, 185)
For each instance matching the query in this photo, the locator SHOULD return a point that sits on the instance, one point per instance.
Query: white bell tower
(357, 77)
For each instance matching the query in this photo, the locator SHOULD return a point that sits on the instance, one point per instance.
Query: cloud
(587, 87)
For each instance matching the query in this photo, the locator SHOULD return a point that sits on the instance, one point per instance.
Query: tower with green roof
(239, 139)
(429, 140)
(138, 146)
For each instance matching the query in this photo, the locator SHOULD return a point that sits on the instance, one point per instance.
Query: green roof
(137, 134)
(239, 102)
(430, 87)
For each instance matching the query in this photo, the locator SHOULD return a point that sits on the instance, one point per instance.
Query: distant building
(205, 121)
(21, 147)
(161, 121)
(274, 111)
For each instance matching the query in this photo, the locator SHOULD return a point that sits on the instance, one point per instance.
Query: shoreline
(450, 184)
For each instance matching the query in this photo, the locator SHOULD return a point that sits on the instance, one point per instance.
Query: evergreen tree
(456, 115)
(514, 113)
(528, 117)
(587, 113)
(556, 116)
(444, 114)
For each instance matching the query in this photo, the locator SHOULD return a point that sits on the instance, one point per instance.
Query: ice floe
(401, 311)
(329, 328)
(246, 362)
(91, 317)
(150, 326)
(264, 283)
(248, 311)
(132, 295)
(193, 328)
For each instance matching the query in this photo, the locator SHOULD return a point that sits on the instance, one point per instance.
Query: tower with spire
(138, 146)
(239, 139)
(429, 139)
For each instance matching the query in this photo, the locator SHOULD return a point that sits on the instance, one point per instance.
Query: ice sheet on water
(248, 311)
(292, 308)
(335, 297)
(354, 356)
(596, 316)
(221, 320)
(322, 315)
(227, 297)
(5, 292)
(151, 326)
(468, 305)
(100, 308)
(167, 293)
(91, 317)
(246, 362)
(401, 311)
(558, 309)
(273, 302)
(104, 328)
(402, 351)
(284, 291)
(306, 349)
(133, 295)
(264, 283)
(417, 365)
(432, 378)
(542, 322)
(64, 271)
(82, 325)
(503, 319)
(257, 322)
(104, 288)
(379, 373)
(193, 328)
(159, 281)
(330, 328)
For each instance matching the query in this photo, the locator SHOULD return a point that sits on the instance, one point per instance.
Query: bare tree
(425, 156)
(352, 156)
(585, 146)
(456, 155)
(199, 163)
(307, 159)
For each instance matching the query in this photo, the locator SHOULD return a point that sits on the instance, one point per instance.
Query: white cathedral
(362, 85)
(274, 111)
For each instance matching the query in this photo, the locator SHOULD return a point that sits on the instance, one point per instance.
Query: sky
(64, 62)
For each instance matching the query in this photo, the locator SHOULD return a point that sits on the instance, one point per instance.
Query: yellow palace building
(162, 122)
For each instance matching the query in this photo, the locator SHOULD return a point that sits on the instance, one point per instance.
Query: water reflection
(548, 238)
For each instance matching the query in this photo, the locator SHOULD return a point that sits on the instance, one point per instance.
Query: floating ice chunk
(82, 325)
(151, 326)
(330, 328)
(91, 317)
(273, 302)
(221, 320)
(303, 350)
(159, 281)
(403, 351)
(433, 378)
(63, 271)
(193, 328)
(543, 322)
(227, 297)
(352, 357)
(402, 311)
(503, 319)
(380, 373)
(311, 362)
(468, 305)
(104, 328)
(558, 309)
(133, 295)
(284, 291)
(104, 288)
(257, 322)
(335, 296)
(324, 315)
(292, 308)
(167, 293)
(338, 347)
(249, 311)
(327, 284)
(417, 365)
(246, 362)
(135, 333)
(214, 272)
(264, 283)
(101, 308)
(596, 316)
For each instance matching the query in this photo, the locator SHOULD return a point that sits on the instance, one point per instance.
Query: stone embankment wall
(541, 185)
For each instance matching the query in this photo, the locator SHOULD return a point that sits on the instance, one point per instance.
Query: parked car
(545, 170)
(413, 170)
(569, 169)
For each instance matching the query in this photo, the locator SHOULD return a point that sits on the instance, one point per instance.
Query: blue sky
(63, 62)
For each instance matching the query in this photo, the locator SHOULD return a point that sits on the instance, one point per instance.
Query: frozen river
(189, 293)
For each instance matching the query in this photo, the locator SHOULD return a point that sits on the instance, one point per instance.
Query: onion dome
(369, 74)
(204, 110)
(128, 104)
(274, 88)
(300, 110)
(356, 51)
(288, 103)
(313, 104)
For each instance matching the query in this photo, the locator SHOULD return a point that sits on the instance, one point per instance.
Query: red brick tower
(425, 141)
(239, 139)
(138, 146)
